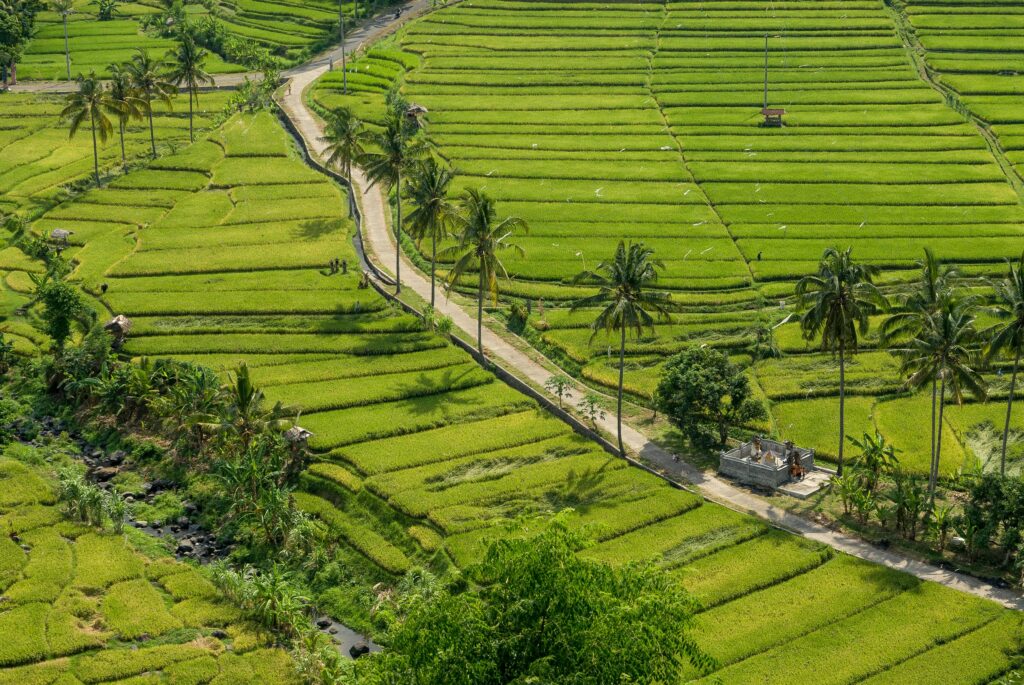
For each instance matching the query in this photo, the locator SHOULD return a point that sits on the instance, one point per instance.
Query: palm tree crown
(481, 239)
(124, 93)
(935, 286)
(433, 213)
(148, 77)
(92, 103)
(946, 348)
(344, 137)
(626, 299)
(836, 303)
(188, 63)
(396, 150)
(1007, 336)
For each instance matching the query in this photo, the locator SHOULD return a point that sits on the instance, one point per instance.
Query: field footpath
(380, 246)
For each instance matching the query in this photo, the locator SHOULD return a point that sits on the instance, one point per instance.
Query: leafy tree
(62, 307)
(1007, 336)
(558, 385)
(543, 615)
(188, 69)
(147, 75)
(946, 349)
(699, 388)
(65, 8)
(345, 136)
(836, 304)
(126, 97)
(396, 151)
(92, 102)
(433, 213)
(877, 458)
(590, 407)
(481, 239)
(17, 24)
(626, 300)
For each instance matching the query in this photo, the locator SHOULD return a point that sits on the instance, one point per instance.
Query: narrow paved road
(381, 249)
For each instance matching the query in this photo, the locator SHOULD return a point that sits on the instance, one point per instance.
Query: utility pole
(341, 24)
(766, 71)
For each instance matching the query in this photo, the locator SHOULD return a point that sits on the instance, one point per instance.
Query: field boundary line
(916, 51)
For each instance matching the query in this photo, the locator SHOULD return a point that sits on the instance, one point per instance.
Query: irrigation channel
(190, 540)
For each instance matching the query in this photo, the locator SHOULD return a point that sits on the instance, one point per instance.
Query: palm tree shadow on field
(427, 386)
(580, 491)
(316, 228)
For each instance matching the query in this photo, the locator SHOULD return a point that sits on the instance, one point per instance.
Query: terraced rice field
(422, 456)
(37, 158)
(642, 121)
(83, 606)
(96, 44)
(289, 29)
(977, 49)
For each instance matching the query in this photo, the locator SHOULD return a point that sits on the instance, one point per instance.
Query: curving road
(380, 247)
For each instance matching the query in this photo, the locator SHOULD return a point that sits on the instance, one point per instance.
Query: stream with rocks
(191, 541)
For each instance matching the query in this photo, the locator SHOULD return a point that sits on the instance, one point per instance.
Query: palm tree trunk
(935, 391)
(842, 404)
(933, 476)
(191, 135)
(618, 410)
(95, 150)
(433, 265)
(120, 129)
(480, 311)
(1009, 410)
(152, 136)
(67, 51)
(398, 237)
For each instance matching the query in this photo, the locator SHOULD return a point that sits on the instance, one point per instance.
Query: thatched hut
(60, 236)
(119, 327)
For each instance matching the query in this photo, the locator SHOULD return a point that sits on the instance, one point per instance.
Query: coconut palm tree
(188, 62)
(148, 77)
(246, 413)
(481, 238)
(627, 300)
(64, 8)
(123, 92)
(91, 102)
(397, 151)
(836, 303)
(935, 286)
(946, 348)
(433, 213)
(345, 136)
(1007, 336)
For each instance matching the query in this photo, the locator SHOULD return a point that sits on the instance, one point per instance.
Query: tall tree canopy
(702, 391)
(543, 615)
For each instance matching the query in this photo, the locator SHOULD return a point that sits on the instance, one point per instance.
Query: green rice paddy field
(84, 606)
(421, 456)
(37, 159)
(596, 121)
(289, 29)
